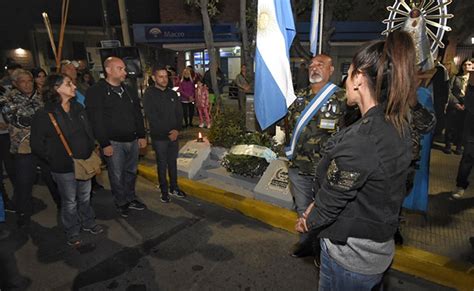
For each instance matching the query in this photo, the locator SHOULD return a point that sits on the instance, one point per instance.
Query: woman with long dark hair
(39, 77)
(455, 110)
(361, 180)
(61, 107)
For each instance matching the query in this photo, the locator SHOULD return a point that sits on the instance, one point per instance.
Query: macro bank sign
(168, 33)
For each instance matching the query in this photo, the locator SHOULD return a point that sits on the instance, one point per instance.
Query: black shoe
(178, 193)
(136, 205)
(447, 150)
(123, 210)
(96, 229)
(165, 198)
(74, 241)
(302, 250)
(8, 206)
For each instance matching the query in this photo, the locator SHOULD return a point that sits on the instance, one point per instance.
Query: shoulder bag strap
(59, 132)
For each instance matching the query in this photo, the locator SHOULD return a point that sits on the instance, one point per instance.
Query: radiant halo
(263, 20)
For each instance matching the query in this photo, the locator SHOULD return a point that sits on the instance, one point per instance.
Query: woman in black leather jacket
(361, 180)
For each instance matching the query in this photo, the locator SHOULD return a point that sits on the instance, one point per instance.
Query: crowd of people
(50, 121)
(348, 198)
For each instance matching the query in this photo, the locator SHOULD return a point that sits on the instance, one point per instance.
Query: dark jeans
(454, 127)
(188, 113)
(48, 180)
(7, 161)
(122, 167)
(334, 277)
(166, 159)
(76, 210)
(465, 166)
(25, 167)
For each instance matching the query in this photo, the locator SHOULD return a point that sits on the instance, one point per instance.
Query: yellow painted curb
(416, 262)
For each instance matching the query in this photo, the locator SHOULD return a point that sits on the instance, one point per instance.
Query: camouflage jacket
(422, 121)
(328, 120)
(18, 111)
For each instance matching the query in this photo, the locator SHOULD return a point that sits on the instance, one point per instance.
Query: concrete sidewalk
(436, 244)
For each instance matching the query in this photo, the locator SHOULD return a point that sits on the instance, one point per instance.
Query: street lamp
(20, 52)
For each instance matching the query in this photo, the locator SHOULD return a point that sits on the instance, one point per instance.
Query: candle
(200, 139)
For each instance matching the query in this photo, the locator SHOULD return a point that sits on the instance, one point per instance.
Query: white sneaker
(458, 193)
(201, 125)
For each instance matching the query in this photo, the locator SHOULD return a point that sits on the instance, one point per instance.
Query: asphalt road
(184, 245)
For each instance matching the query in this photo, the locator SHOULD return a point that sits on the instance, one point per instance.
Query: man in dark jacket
(115, 114)
(165, 115)
(467, 160)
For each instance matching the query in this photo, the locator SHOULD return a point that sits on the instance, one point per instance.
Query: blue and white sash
(313, 107)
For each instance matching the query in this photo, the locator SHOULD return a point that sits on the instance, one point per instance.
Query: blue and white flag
(273, 83)
(313, 35)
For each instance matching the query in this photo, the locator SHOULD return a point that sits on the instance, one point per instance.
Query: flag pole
(321, 22)
(47, 24)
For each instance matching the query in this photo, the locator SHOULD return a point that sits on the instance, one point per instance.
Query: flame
(200, 135)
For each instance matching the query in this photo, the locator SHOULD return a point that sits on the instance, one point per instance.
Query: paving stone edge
(432, 267)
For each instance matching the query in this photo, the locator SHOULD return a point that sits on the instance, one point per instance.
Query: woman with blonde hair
(186, 91)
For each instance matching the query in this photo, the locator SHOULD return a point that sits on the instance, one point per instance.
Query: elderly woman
(361, 180)
(61, 106)
(18, 107)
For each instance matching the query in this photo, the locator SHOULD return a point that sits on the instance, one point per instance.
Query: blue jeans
(333, 277)
(122, 167)
(166, 159)
(76, 210)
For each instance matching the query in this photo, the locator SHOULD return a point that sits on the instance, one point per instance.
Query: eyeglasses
(68, 62)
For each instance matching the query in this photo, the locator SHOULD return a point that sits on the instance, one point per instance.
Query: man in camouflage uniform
(307, 152)
(18, 107)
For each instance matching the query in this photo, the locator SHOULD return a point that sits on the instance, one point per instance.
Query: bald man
(117, 120)
(313, 136)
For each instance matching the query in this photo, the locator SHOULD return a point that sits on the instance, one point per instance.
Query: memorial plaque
(192, 156)
(280, 181)
(274, 187)
(186, 157)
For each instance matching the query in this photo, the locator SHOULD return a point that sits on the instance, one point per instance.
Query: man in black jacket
(165, 115)
(115, 114)
(467, 160)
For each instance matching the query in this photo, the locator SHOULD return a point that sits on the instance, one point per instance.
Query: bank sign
(168, 33)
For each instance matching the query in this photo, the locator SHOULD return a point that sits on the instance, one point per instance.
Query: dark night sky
(17, 17)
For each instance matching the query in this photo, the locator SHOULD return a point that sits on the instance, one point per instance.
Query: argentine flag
(273, 84)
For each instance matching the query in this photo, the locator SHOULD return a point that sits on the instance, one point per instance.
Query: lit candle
(200, 137)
